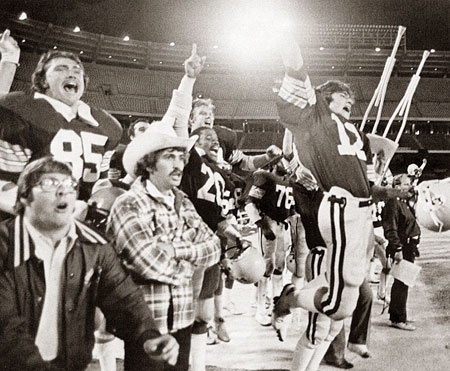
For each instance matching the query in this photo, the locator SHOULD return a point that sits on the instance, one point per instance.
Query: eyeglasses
(53, 185)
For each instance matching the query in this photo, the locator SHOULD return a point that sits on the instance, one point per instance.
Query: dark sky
(204, 21)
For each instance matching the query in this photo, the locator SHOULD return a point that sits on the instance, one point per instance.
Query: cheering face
(202, 116)
(53, 202)
(209, 142)
(341, 104)
(168, 169)
(65, 80)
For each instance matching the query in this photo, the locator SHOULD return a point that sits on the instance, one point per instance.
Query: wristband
(12, 57)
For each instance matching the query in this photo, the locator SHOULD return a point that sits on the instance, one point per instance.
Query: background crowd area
(135, 79)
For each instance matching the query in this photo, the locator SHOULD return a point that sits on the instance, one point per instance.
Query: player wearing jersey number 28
(53, 120)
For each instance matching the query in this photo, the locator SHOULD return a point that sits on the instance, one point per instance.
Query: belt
(365, 203)
(342, 201)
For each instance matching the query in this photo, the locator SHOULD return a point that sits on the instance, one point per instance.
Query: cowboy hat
(158, 136)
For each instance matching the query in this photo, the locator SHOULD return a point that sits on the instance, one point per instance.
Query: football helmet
(290, 263)
(99, 206)
(433, 205)
(245, 263)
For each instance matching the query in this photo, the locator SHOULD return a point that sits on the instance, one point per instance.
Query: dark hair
(31, 175)
(38, 82)
(150, 160)
(130, 131)
(334, 86)
(199, 130)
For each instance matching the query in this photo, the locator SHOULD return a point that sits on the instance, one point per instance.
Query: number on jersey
(78, 149)
(285, 196)
(345, 148)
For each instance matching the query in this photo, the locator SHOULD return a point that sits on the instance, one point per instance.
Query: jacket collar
(24, 248)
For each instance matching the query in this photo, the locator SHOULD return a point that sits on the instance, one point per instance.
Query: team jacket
(31, 128)
(399, 222)
(272, 195)
(92, 276)
(335, 151)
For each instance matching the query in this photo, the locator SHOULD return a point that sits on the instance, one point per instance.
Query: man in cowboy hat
(161, 238)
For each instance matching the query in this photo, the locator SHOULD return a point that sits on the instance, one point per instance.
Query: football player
(269, 203)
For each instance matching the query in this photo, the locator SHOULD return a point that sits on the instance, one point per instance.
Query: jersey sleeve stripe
(104, 165)
(371, 175)
(297, 92)
(13, 157)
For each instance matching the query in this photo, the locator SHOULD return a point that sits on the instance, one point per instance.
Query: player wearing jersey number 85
(53, 120)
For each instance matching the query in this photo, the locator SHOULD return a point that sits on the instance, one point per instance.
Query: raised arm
(10, 60)
(181, 104)
(290, 53)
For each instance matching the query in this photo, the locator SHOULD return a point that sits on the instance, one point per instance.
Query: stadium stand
(136, 78)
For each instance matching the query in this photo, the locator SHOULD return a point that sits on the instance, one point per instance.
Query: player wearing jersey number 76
(339, 157)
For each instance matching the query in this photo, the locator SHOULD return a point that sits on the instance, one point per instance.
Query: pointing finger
(5, 35)
(194, 50)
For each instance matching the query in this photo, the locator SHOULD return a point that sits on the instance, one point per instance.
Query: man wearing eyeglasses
(54, 271)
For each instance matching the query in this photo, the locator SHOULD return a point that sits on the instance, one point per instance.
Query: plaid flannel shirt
(138, 221)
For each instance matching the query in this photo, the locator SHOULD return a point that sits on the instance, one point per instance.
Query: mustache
(177, 172)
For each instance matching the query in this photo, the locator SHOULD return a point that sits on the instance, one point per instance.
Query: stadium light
(23, 16)
(253, 29)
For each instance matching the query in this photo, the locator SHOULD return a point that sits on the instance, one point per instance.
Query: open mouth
(176, 174)
(71, 87)
(347, 109)
(62, 207)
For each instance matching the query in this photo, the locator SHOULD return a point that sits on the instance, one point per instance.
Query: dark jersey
(272, 195)
(227, 140)
(307, 203)
(205, 188)
(335, 151)
(399, 222)
(31, 128)
(116, 161)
